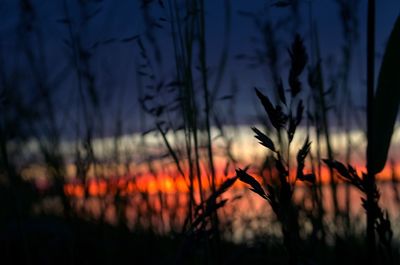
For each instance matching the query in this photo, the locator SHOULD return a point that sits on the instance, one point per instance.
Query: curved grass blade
(264, 139)
(255, 185)
(386, 103)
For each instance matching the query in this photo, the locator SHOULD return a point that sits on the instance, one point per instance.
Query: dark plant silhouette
(119, 138)
(382, 108)
(280, 194)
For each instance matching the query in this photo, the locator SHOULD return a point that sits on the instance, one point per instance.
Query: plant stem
(370, 181)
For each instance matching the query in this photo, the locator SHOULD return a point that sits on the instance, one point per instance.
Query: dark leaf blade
(339, 167)
(223, 188)
(298, 55)
(255, 185)
(299, 59)
(299, 113)
(213, 207)
(292, 127)
(227, 97)
(307, 177)
(301, 156)
(269, 108)
(386, 103)
(264, 139)
(272, 198)
(210, 208)
(303, 152)
(276, 116)
(295, 85)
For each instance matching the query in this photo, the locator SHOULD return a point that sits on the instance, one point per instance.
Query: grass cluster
(113, 220)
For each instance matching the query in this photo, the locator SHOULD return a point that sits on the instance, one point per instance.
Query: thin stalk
(370, 181)
(204, 72)
(203, 63)
(324, 119)
(179, 60)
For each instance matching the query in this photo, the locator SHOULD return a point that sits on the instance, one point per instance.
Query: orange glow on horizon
(165, 183)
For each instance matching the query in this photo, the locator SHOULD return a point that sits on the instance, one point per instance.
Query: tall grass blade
(386, 102)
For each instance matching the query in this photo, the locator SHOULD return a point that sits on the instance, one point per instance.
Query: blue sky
(115, 63)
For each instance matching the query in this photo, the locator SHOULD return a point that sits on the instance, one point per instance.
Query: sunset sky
(200, 132)
(115, 63)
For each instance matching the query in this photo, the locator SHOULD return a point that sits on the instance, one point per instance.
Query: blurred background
(122, 124)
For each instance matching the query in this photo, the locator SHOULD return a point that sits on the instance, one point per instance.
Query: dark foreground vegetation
(71, 178)
(52, 240)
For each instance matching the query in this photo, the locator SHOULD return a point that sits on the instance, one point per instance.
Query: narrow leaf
(276, 116)
(264, 140)
(255, 186)
(307, 177)
(339, 167)
(386, 103)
